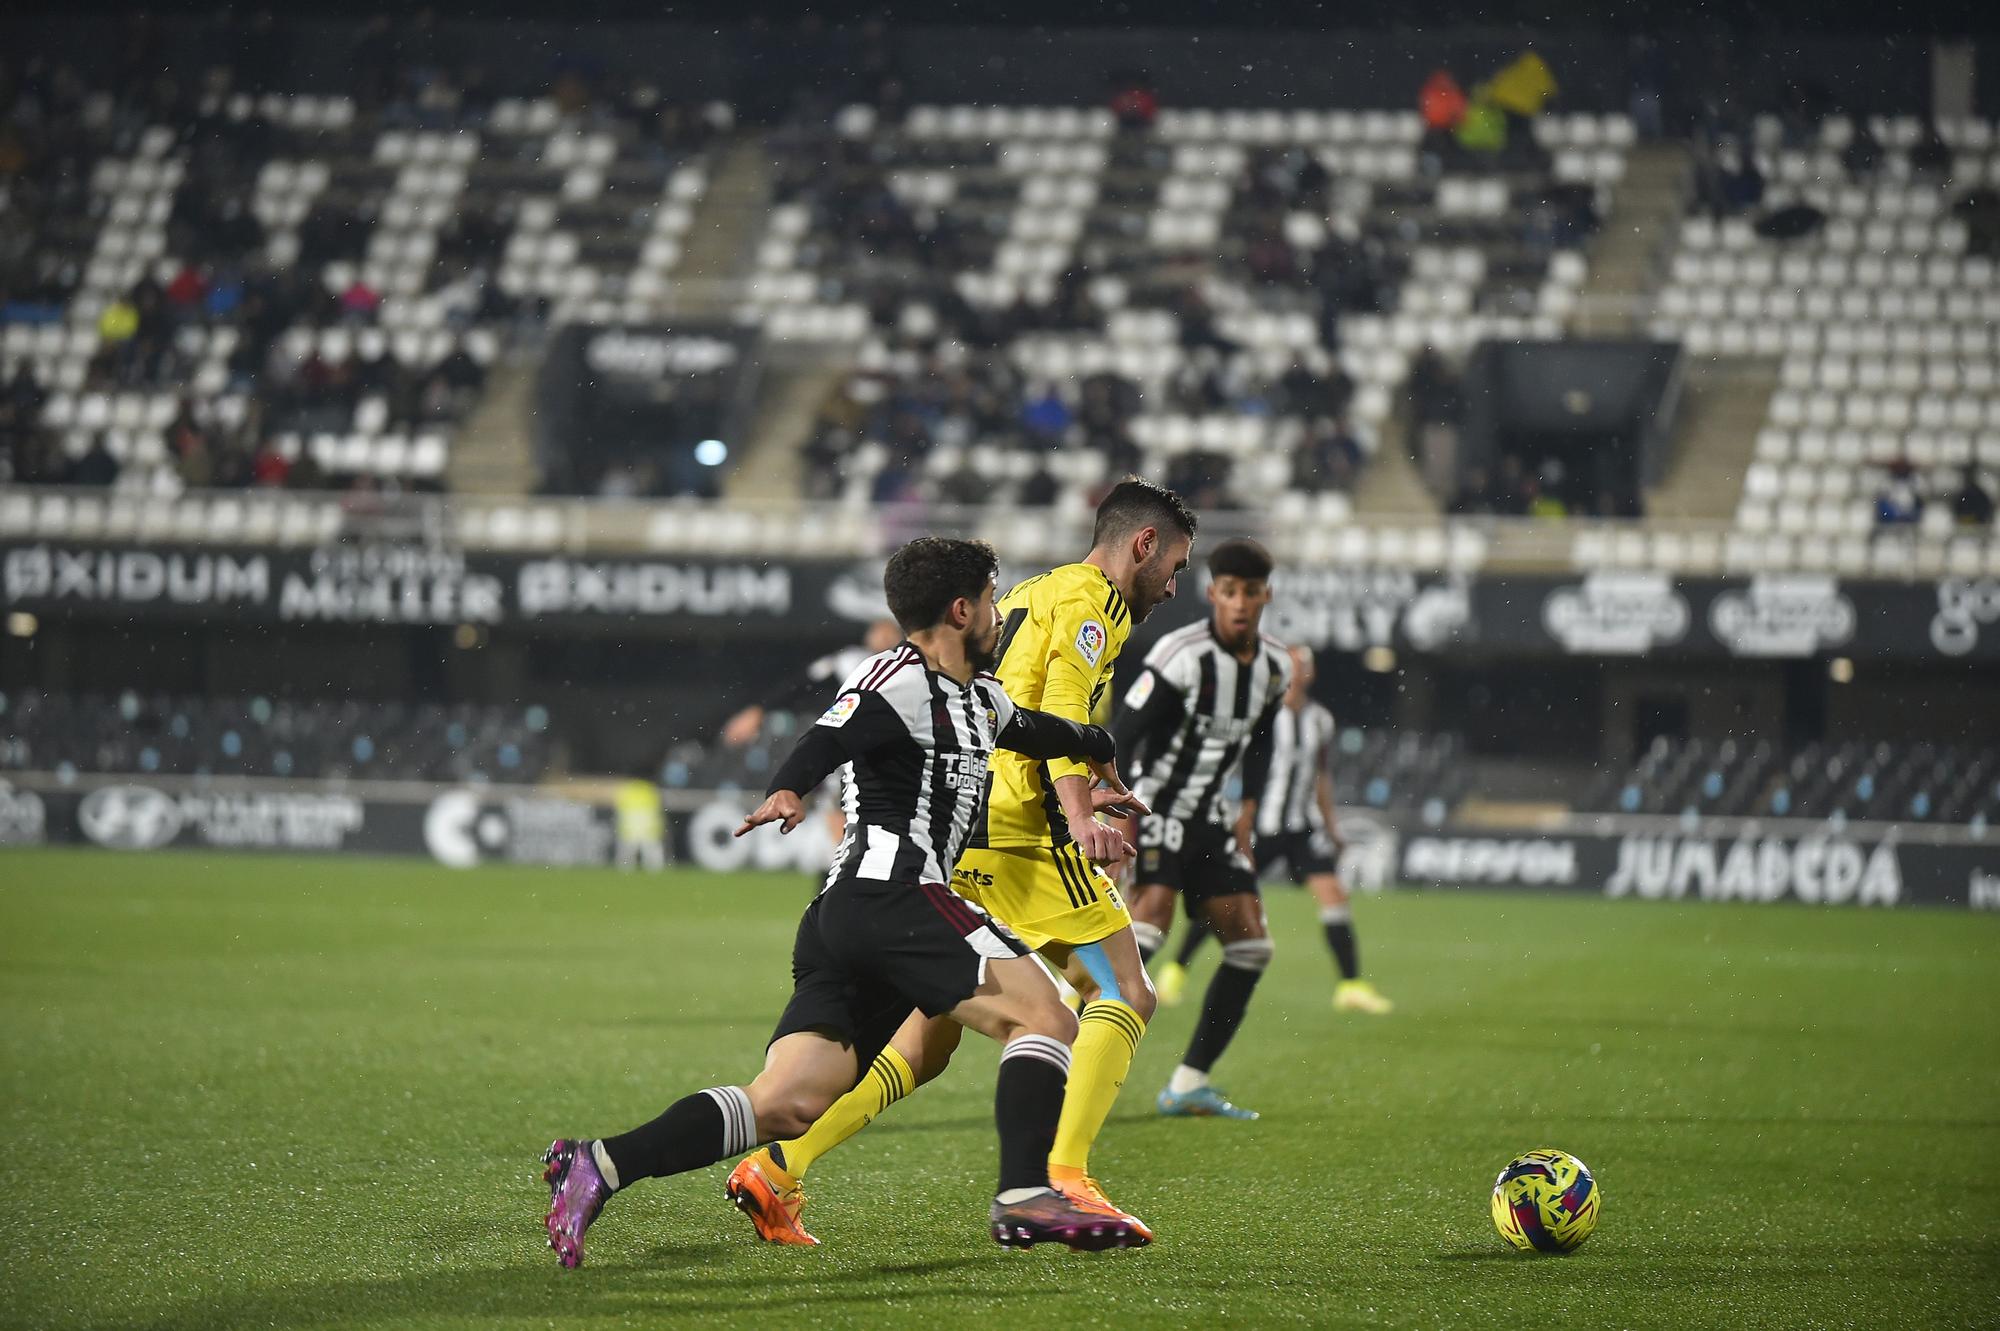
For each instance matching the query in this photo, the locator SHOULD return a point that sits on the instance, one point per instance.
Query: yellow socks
(1107, 1035)
(887, 1080)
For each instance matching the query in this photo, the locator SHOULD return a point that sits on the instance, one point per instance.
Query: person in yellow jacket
(1033, 865)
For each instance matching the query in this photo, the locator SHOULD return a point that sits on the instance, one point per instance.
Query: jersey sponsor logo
(1090, 640)
(964, 771)
(1142, 689)
(837, 715)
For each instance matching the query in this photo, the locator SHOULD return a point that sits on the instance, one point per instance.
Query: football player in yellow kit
(1033, 865)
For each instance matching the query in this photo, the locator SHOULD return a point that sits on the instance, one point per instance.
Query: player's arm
(1256, 774)
(1044, 736)
(858, 723)
(1076, 646)
(810, 683)
(1151, 709)
(1323, 793)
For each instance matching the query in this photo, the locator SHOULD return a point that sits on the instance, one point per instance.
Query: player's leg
(1172, 979)
(1055, 901)
(1152, 916)
(1238, 921)
(1352, 993)
(1118, 1003)
(1018, 1006)
(921, 1050)
(804, 1072)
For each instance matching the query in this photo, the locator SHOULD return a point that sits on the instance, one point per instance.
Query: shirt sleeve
(859, 722)
(1045, 737)
(1150, 709)
(1257, 757)
(1079, 646)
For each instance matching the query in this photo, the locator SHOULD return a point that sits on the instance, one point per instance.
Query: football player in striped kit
(1298, 828)
(916, 728)
(1205, 706)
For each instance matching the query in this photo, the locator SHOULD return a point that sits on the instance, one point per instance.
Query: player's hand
(1112, 795)
(741, 728)
(1099, 844)
(1246, 834)
(783, 807)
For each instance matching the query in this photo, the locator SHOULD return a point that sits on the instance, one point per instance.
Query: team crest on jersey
(1142, 689)
(843, 707)
(1090, 640)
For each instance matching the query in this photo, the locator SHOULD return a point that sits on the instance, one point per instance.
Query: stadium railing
(833, 530)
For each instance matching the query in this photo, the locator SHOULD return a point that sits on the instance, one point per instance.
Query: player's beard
(1149, 590)
(982, 656)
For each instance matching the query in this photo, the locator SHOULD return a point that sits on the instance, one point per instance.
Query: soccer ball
(1545, 1201)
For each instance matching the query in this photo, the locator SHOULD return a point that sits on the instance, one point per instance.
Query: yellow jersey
(1060, 634)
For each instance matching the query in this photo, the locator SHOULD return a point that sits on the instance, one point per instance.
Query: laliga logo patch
(1142, 689)
(843, 707)
(1090, 641)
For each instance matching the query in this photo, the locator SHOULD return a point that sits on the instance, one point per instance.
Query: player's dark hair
(1240, 557)
(1134, 505)
(927, 575)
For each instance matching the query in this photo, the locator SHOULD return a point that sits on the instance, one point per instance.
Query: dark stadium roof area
(1771, 19)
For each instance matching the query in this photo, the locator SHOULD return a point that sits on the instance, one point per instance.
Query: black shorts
(1302, 853)
(868, 952)
(1197, 860)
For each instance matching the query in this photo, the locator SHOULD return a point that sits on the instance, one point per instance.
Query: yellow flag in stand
(1524, 86)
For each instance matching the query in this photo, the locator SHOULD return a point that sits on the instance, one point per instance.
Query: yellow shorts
(1045, 896)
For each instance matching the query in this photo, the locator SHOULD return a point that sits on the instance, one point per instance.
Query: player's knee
(1140, 997)
(1050, 1017)
(789, 1114)
(1249, 954)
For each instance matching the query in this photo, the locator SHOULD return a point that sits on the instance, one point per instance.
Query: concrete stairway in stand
(1723, 405)
(1626, 257)
(494, 452)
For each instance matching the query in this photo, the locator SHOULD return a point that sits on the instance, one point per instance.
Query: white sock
(604, 1165)
(1016, 1195)
(1187, 1079)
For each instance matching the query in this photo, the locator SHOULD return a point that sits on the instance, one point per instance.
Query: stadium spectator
(1434, 388)
(1474, 493)
(96, 467)
(1972, 506)
(1899, 502)
(1133, 100)
(1329, 459)
(1930, 156)
(1863, 152)
(1511, 492)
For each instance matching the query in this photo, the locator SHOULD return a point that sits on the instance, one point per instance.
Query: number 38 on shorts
(1199, 860)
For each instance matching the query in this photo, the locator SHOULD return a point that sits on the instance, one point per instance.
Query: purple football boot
(577, 1192)
(1051, 1218)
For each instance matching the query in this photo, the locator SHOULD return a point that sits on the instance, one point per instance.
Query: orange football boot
(1087, 1194)
(771, 1198)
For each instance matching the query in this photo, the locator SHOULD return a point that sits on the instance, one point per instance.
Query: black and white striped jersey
(1301, 745)
(1193, 716)
(913, 747)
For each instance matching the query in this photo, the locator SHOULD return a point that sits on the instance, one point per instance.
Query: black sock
(1190, 945)
(1027, 1102)
(1340, 937)
(1221, 1013)
(697, 1130)
(1147, 949)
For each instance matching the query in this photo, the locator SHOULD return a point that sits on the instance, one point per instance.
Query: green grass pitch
(265, 1092)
